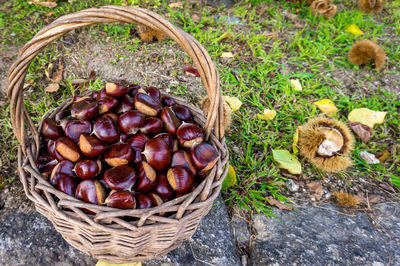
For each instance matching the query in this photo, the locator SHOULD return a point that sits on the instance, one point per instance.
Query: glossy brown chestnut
(64, 167)
(136, 91)
(91, 191)
(51, 148)
(157, 153)
(154, 93)
(121, 199)
(143, 201)
(45, 164)
(167, 101)
(189, 134)
(182, 112)
(163, 188)
(180, 179)
(85, 109)
(87, 168)
(132, 87)
(106, 104)
(94, 95)
(68, 184)
(118, 154)
(91, 146)
(147, 105)
(120, 178)
(152, 126)
(123, 137)
(106, 129)
(171, 122)
(101, 94)
(157, 200)
(62, 114)
(191, 71)
(138, 141)
(50, 129)
(182, 158)
(115, 90)
(75, 128)
(147, 177)
(126, 103)
(68, 149)
(167, 138)
(113, 116)
(203, 156)
(131, 121)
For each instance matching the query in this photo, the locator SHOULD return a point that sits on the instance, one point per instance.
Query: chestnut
(120, 177)
(91, 146)
(131, 121)
(91, 191)
(182, 112)
(113, 116)
(51, 148)
(180, 179)
(167, 101)
(101, 94)
(154, 93)
(121, 199)
(118, 154)
(105, 129)
(137, 90)
(171, 122)
(94, 95)
(152, 126)
(63, 167)
(62, 114)
(147, 177)
(106, 104)
(132, 87)
(203, 156)
(147, 105)
(189, 134)
(143, 201)
(123, 137)
(138, 141)
(157, 153)
(115, 90)
(50, 129)
(67, 184)
(126, 103)
(85, 109)
(87, 168)
(157, 200)
(191, 71)
(45, 164)
(167, 138)
(68, 149)
(181, 158)
(163, 188)
(74, 129)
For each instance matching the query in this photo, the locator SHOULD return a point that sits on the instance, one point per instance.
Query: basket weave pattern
(114, 235)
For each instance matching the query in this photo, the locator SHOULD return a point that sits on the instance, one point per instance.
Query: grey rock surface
(316, 236)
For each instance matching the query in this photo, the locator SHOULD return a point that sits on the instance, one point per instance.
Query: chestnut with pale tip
(106, 129)
(88, 168)
(203, 156)
(91, 191)
(189, 135)
(180, 179)
(157, 201)
(68, 149)
(91, 146)
(171, 122)
(120, 177)
(50, 129)
(75, 128)
(121, 199)
(157, 153)
(131, 121)
(106, 104)
(147, 105)
(163, 188)
(51, 149)
(118, 154)
(64, 167)
(115, 90)
(85, 109)
(147, 177)
(182, 158)
(126, 103)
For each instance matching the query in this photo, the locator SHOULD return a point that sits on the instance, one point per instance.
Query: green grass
(259, 75)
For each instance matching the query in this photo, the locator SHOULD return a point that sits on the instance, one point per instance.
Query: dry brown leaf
(364, 132)
(57, 76)
(316, 189)
(52, 87)
(278, 204)
(345, 199)
(383, 155)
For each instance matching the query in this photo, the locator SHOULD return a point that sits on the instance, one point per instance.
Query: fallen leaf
(48, 70)
(191, 71)
(326, 106)
(267, 115)
(226, 57)
(296, 84)
(364, 132)
(57, 76)
(316, 189)
(382, 156)
(287, 161)
(178, 5)
(295, 140)
(196, 18)
(367, 117)
(48, 4)
(224, 36)
(230, 178)
(345, 199)
(354, 29)
(52, 87)
(369, 158)
(233, 102)
(278, 204)
(103, 263)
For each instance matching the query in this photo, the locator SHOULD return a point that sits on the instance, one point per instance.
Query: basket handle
(109, 14)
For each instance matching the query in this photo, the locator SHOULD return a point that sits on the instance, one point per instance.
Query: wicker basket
(106, 235)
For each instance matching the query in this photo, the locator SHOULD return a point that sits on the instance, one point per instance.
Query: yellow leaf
(296, 84)
(354, 29)
(176, 5)
(103, 263)
(287, 161)
(267, 115)
(295, 140)
(230, 178)
(367, 117)
(326, 106)
(224, 36)
(233, 102)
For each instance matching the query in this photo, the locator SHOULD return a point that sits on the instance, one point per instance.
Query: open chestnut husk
(88, 168)
(91, 146)
(68, 149)
(75, 128)
(180, 179)
(118, 154)
(121, 199)
(143, 201)
(131, 121)
(105, 129)
(189, 134)
(171, 122)
(91, 191)
(147, 105)
(120, 177)
(115, 90)
(50, 129)
(67, 184)
(157, 153)
(203, 156)
(147, 177)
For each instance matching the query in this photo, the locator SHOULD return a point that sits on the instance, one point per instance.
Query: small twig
(194, 256)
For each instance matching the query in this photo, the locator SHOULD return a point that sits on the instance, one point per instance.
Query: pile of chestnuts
(125, 147)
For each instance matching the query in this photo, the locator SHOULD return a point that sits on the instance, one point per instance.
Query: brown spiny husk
(205, 104)
(147, 34)
(345, 199)
(371, 6)
(311, 137)
(364, 51)
(324, 8)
